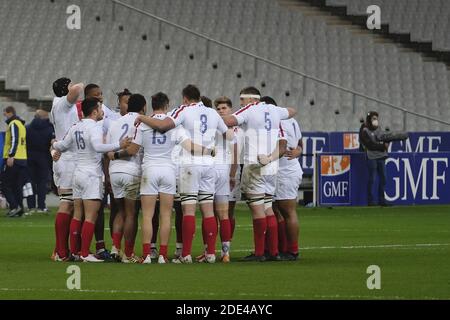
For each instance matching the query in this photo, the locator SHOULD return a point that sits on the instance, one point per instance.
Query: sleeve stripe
(243, 109)
(135, 131)
(179, 111)
(281, 131)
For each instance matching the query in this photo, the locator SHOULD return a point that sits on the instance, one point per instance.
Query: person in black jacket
(40, 133)
(370, 135)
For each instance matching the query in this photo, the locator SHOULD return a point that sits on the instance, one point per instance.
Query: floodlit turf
(411, 245)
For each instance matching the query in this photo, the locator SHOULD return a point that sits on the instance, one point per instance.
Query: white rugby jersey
(63, 116)
(261, 125)
(158, 147)
(108, 117)
(86, 138)
(292, 134)
(224, 151)
(201, 125)
(119, 130)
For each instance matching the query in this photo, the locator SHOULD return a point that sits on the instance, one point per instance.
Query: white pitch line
(211, 294)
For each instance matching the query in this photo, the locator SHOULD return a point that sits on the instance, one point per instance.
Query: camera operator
(370, 136)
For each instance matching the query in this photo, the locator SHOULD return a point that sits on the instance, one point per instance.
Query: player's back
(84, 133)
(63, 115)
(261, 124)
(292, 133)
(201, 123)
(158, 147)
(118, 130)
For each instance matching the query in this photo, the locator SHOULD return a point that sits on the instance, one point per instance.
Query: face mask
(375, 123)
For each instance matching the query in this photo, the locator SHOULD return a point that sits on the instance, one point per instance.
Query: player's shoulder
(59, 102)
(248, 108)
(176, 111)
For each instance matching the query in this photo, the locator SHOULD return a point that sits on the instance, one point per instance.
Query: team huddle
(198, 154)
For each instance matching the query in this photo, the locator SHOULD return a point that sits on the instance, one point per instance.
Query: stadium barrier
(412, 179)
(348, 142)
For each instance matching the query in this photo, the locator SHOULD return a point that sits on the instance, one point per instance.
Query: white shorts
(222, 181)
(125, 185)
(158, 179)
(253, 182)
(195, 178)
(63, 173)
(287, 185)
(87, 186)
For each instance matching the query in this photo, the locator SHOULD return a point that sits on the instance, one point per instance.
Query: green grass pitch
(411, 245)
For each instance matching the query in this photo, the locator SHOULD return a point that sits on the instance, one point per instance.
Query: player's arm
(196, 149)
(295, 153)
(230, 121)
(157, 124)
(292, 112)
(65, 144)
(74, 93)
(130, 151)
(279, 151)
(234, 164)
(100, 147)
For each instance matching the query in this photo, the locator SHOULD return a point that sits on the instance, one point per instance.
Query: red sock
(129, 248)
(282, 237)
(188, 234)
(117, 239)
(62, 229)
(259, 232)
(210, 234)
(233, 225)
(225, 230)
(75, 236)
(146, 249)
(87, 232)
(179, 226)
(293, 247)
(100, 245)
(272, 230)
(163, 250)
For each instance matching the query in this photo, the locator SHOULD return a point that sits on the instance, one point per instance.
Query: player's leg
(189, 186)
(206, 192)
(91, 208)
(271, 241)
(131, 187)
(178, 216)
(117, 229)
(75, 230)
(166, 205)
(289, 213)
(231, 216)
(155, 222)
(100, 231)
(178, 225)
(282, 237)
(286, 202)
(253, 186)
(221, 200)
(148, 203)
(63, 178)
